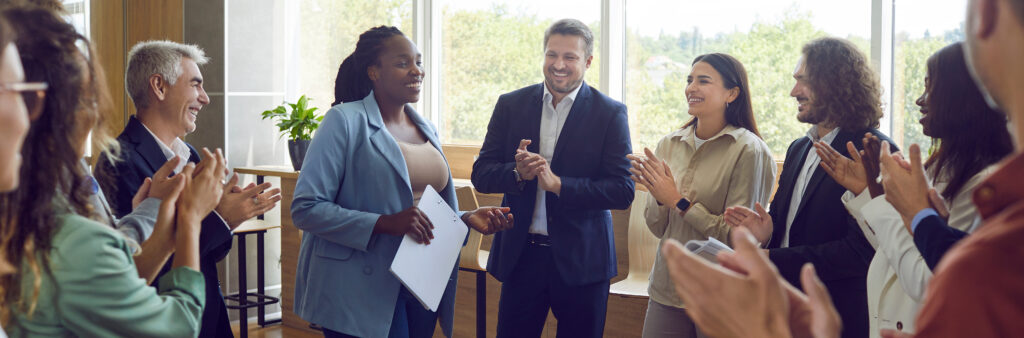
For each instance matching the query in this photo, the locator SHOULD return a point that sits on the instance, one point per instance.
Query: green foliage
(328, 32)
(912, 57)
(768, 51)
(487, 53)
(300, 123)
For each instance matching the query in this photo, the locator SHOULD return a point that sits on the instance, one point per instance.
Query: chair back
(642, 244)
(469, 257)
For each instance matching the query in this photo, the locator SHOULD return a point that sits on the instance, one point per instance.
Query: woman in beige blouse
(717, 160)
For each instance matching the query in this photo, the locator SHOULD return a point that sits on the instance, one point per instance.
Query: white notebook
(708, 249)
(425, 269)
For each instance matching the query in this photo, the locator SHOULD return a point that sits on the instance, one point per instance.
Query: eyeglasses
(33, 93)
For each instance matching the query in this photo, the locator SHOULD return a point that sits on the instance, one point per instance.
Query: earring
(727, 105)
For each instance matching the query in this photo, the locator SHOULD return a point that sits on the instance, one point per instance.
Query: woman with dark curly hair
(953, 113)
(76, 276)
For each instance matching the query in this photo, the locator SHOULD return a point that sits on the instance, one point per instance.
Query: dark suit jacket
(824, 233)
(141, 157)
(933, 237)
(590, 158)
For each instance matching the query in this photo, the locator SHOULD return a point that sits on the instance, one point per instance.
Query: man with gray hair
(164, 82)
(557, 150)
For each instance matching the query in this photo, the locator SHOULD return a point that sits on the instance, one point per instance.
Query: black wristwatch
(520, 183)
(683, 204)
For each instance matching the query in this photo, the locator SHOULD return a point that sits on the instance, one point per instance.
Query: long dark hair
(353, 83)
(53, 182)
(968, 135)
(847, 93)
(740, 112)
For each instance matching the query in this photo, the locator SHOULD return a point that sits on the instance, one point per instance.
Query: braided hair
(353, 83)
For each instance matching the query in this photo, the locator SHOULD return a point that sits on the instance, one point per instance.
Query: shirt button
(368, 270)
(986, 192)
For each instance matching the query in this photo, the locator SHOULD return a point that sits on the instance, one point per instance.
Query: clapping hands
(655, 175)
(746, 296)
(531, 165)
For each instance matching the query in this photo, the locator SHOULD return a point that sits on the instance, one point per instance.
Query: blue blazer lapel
(579, 107)
(145, 144)
(384, 142)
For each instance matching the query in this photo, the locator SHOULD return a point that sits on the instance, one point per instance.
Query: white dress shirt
(177, 148)
(800, 186)
(180, 149)
(552, 119)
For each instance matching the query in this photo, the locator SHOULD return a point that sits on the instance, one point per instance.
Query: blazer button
(899, 326)
(368, 270)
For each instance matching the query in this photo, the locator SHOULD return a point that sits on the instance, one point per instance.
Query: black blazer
(141, 157)
(590, 158)
(824, 233)
(933, 237)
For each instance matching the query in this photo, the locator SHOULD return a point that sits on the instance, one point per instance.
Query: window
(280, 50)
(474, 51)
(78, 16)
(766, 36)
(328, 32)
(922, 27)
(494, 47)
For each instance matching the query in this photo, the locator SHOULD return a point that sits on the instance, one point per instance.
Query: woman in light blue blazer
(366, 167)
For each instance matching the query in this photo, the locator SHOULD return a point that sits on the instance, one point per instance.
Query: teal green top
(95, 291)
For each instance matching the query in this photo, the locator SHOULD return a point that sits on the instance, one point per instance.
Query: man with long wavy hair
(839, 95)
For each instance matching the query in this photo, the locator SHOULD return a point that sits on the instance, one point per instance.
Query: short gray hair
(156, 57)
(572, 27)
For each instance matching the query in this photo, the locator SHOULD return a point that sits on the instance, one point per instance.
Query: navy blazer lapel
(383, 141)
(819, 174)
(580, 106)
(145, 144)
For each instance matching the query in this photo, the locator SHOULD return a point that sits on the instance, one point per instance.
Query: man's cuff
(226, 225)
(921, 215)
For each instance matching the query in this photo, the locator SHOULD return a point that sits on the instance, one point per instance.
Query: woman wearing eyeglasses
(77, 277)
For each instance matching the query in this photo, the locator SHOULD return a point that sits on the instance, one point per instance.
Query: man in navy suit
(164, 82)
(557, 150)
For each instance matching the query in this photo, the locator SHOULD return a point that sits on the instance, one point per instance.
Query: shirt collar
(688, 134)
(828, 138)
(572, 95)
(177, 148)
(1002, 189)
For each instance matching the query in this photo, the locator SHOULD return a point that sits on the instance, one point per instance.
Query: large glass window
(278, 50)
(484, 48)
(922, 27)
(662, 39)
(493, 47)
(328, 32)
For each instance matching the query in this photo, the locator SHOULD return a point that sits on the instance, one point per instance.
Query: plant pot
(297, 150)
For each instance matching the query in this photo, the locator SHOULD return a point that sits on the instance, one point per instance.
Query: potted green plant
(299, 125)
